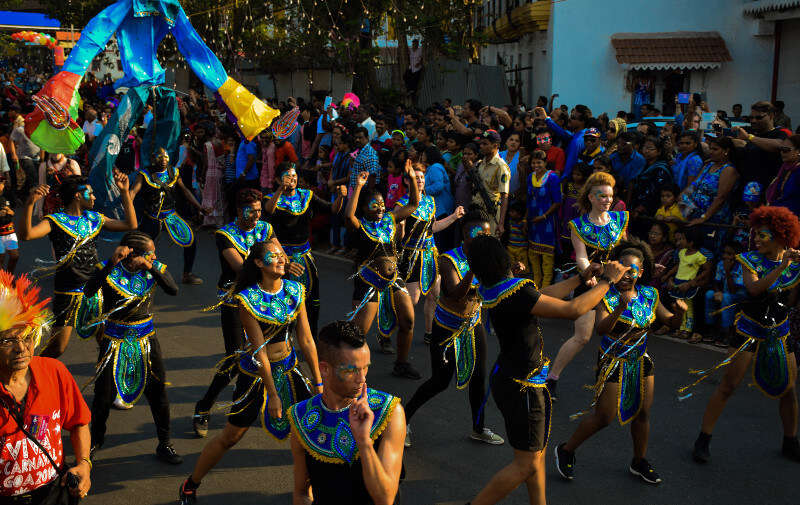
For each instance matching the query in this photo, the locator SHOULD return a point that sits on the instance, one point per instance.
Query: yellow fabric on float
(252, 115)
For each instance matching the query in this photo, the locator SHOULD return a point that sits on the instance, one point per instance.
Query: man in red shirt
(39, 395)
(555, 155)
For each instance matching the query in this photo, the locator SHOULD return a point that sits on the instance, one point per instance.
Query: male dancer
(361, 465)
(234, 241)
(73, 234)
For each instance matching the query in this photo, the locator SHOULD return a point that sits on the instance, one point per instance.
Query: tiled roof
(670, 49)
(762, 6)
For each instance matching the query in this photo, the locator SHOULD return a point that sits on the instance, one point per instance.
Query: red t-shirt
(556, 159)
(53, 403)
(285, 153)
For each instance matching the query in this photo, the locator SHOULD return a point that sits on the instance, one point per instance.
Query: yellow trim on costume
(69, 232)
(391, 238)
(509, 292)
(146, 176)
(301, 300)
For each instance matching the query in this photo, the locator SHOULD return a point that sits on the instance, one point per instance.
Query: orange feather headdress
(20, 306)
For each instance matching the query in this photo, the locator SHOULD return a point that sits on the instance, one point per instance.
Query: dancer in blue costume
(290, 210)
(234, 241)
(377, 288)
(624, 383)
(130, 363)
(73, 233)
(593, 235)
(156, 187)
(270, 381)
(347, 443)
(770, 273)
(518, 380)
(458, 343)
(418, 264)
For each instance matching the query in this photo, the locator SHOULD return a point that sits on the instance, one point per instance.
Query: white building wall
(585, 69)
(789, 70)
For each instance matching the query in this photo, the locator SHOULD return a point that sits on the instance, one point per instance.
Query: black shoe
(791, 449)
(701, 453)
(405, 370)
(166, 453)
(200, 423)
(645, 472)
(565, 462)
(385, 345)
(187, 494)
(551, 388)
(427, 338)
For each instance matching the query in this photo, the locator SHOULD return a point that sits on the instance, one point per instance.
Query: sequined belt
(375, 279)
(249, 364)
(617, 349)
(136, 330)
(747, 326)
(453, 320)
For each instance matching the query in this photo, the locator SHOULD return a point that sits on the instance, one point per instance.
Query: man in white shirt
(414, 72)
(366, 121)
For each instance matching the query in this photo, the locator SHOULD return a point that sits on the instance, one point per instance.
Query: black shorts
(244, 417)
(526, 414)
(360, 289)
(65, 309)
(648, 364)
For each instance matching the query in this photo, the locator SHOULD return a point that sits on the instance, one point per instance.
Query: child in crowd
(9, 245)
(669, 212)
(663, 255)
(751, 199)
(323, 168)
(340, 173)
(687, 276)
(569, 207)
(544, 202)
(517, 242)
(728, 290)
(395, 189)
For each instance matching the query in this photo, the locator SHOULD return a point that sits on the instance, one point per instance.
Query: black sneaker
(565, 462)
(385, 346)
(427, 338)
(166, 453)
(645, 472)
(551, 388)
(701, 452)
(200, 423)
(187, 495)
(405, 370)
(791, 449)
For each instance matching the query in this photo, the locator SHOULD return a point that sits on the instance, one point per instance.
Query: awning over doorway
(670, 50)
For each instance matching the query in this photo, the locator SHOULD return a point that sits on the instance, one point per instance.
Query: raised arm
(445, 222)
(26, 230)
(256, 338)
(555, 308)
(130, 222)
(352, 203)
(306, 342)
(400, 213)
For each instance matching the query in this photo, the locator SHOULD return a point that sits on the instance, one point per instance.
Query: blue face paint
(376, 205)
(86, 192)
(247, 212)
(635, 271)
(271, 257)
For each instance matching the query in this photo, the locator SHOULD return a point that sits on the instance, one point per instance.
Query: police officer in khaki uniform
(495, 175)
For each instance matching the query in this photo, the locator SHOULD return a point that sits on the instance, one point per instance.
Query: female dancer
(593, 235)
(269, 380)
(458, 344)
(130, 363)
(291, 213)
(376, 283)
(418, 264)
(624, 384)
(157, 185)
(770, 274)
(518, 379)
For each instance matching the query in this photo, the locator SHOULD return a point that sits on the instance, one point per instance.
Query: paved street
(444, 466)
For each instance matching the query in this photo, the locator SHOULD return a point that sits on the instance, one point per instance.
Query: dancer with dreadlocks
(157, 185)
(418, 264)
(73, 232)
(377, 287)
(624, 384)
(771, 273)
(290, 210)
(130, 363)
(234, 241)
(270, 381)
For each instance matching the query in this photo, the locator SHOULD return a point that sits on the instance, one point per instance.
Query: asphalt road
(443, 466)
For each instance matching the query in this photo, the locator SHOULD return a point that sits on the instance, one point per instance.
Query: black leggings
(152, 227)
(233, 336)
(443, 372)
(155, 392)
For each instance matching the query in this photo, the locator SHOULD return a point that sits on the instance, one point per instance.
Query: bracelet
(88, 461)
(318, 385)
(750, 137)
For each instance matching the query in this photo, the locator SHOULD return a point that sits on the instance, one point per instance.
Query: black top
(518, 332)
(295, 228)
(154, 185)
(113, 297)
(7, 219)
(337, 484)
(74, 273)
(758, 164)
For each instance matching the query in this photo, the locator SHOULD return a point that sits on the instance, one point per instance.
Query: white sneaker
(407, 442)
(119, 405)
(488, 437)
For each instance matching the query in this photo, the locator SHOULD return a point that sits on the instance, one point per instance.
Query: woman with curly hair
(593, 235)
(770, 274)
(624, 317)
